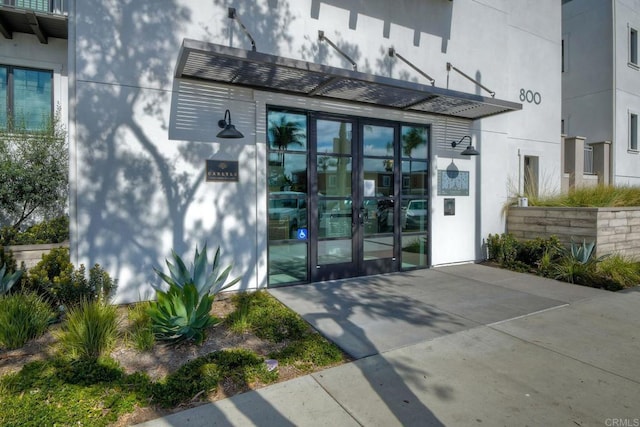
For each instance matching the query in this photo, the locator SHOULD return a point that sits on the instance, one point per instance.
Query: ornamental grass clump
(23, 316)
(598, 196)
(90, 330)
(619, 272)
(182, 313)
(139, 333)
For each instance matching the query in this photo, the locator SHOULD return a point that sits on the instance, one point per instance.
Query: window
(633, 132)
(26, 97)
(563, 57)
(531, 176)
(633, 46)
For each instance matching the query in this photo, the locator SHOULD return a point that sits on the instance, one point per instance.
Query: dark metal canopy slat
(271, 73)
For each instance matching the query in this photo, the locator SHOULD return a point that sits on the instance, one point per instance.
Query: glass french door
(354, 204)
(347, 196)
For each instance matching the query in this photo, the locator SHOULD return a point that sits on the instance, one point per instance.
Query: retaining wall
(614, 230)
(32, 254)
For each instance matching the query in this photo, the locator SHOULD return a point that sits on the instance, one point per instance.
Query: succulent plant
(7, 280)
(582, 252)
(180, 314)
(206, 283)
(183, 311)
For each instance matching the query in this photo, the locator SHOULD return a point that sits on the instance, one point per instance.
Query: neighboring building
(339, 173)
(33, 60)
(601, 80)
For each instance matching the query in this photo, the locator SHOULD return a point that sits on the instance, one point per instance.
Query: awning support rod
(233, 15)
(322, 37)
(451, 67)
(392, 53)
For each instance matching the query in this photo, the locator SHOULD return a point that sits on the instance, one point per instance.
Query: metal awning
(42, 24)
(271, 73)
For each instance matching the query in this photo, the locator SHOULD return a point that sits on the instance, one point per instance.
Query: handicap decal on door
(302, 234)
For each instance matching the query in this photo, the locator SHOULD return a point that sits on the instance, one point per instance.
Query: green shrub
(619, 272)
(43, 276)
(55, 230)
(531, 252)
(503, 248)
(529, 255)
(6, 258)
(55, 277)
(23, 316)
(89, 330)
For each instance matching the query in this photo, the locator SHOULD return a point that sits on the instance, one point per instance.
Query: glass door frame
(417, 241)
(358, 266)
(391, 263)
(322, 272)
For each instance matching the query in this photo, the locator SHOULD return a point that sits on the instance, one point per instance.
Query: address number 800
(530, 96)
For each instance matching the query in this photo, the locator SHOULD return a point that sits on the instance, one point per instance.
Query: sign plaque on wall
(222, 171)
(453, 184)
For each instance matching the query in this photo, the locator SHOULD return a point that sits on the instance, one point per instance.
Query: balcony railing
(60, 7)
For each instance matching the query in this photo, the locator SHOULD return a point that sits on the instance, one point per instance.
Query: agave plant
(578, 265)
(582, 253)
(7, 280)
(181, 314)
(204, 282)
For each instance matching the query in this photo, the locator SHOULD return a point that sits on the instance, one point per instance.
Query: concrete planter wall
(615, 230)
(32, 254)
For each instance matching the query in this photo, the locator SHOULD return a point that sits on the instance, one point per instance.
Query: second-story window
(26, 97)
(633, 132)
(633, 46)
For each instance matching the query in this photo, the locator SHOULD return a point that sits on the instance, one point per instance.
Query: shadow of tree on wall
(120, 186)
(137, 190)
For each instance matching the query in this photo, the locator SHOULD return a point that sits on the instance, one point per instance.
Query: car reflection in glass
(415, 216)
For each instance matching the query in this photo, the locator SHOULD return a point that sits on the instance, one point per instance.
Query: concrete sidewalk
(459, 345)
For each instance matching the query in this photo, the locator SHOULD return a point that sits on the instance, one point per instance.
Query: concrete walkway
(460, 345)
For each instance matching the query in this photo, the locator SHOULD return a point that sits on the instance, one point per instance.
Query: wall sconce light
(228, 130)
(470, 150)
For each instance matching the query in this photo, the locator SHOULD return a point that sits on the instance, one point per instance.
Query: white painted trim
(56, 67)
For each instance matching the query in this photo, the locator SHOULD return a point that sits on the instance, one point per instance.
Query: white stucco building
(345, 166)
(601, 79)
